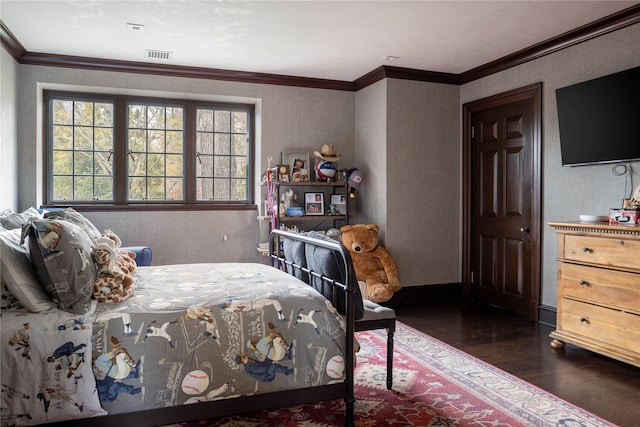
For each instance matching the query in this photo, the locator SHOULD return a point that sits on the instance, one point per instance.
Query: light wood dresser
(599, 289)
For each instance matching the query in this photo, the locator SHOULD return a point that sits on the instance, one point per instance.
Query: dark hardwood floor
(603, 386)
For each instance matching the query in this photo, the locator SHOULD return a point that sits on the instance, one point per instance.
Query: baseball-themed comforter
(190, 333)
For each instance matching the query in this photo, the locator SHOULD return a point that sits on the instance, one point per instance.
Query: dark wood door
(501, 194)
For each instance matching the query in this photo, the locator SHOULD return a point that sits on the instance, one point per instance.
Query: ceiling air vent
(158, 54)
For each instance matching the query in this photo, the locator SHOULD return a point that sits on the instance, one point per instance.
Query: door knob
(524, 229)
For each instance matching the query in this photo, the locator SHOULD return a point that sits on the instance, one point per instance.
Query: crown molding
(597, 28)
(96, 64)
(10, 43)
(386, 71)
(589, 31)
(576, 36)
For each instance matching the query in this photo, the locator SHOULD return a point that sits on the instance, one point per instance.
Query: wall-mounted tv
(600, 119)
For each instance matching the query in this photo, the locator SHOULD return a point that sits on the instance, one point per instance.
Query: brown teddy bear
(373, 264)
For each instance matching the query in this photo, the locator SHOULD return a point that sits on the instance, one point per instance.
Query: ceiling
(335, 40)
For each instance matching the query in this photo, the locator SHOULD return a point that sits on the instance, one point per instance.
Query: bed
(194, 341)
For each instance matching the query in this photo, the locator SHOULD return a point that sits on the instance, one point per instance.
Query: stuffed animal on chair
(373, 264)
(112, 283)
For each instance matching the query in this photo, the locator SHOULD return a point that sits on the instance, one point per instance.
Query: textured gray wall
(8, 133)
(423, 181)
(407, 146)
(567, 191)
(288, 117)
(371, 155)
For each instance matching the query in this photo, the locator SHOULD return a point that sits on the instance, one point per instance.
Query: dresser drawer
(609, 251)
(605, 287)
(613, 327)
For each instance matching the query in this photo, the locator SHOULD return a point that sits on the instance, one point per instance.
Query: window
(155, 152)
(222, 153)
(118, 150)
(81, 150)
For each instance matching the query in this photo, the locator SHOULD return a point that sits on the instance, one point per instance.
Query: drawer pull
(586, 249)
(584, 283)
(584, 320)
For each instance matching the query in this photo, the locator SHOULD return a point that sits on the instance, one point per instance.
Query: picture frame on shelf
(301, 176)
(340, 203)
(283, 173)
(298, 162)
(314, 203)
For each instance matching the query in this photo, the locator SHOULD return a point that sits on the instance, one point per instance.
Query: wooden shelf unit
(598, 293)
(313, 186)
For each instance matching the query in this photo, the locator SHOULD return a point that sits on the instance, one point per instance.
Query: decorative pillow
(11, 221)
(46, 368)
(61, 256)
(327, 263)
(17, 273)
(71, 215)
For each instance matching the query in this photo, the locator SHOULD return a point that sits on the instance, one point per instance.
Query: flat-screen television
(600, 119)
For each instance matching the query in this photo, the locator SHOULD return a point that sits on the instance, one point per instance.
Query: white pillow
(17, 272)
(10, 220)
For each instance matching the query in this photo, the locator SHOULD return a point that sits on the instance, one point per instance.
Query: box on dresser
(626, 216)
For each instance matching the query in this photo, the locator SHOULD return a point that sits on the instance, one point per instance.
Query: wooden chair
(376, 317)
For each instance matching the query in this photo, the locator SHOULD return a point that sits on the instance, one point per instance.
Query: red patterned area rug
(434, 384)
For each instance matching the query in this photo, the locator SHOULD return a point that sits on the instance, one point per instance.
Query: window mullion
(120, 147)
(47, 175)
(190, 159)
